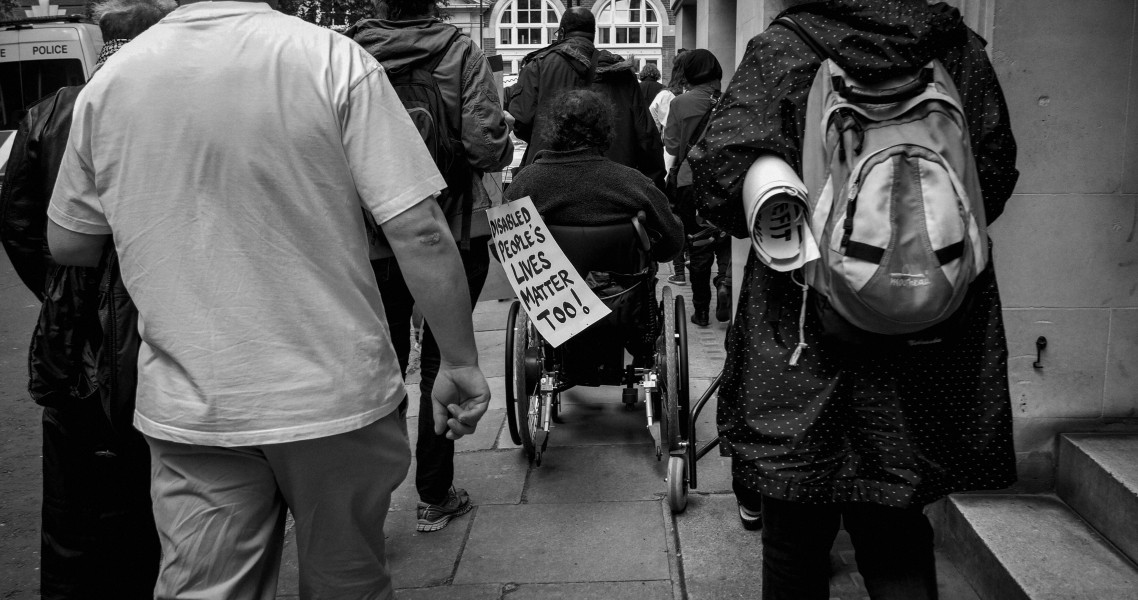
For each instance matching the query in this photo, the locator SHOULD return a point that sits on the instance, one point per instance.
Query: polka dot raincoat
(900, 427)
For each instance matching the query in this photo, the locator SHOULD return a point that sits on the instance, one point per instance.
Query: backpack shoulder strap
(794, 26)
(697, 133)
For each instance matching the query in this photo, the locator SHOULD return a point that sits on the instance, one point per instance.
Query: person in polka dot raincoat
(868, 438)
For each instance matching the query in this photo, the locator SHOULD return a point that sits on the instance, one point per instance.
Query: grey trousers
(220, 513)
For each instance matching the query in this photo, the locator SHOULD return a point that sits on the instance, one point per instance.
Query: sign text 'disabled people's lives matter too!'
(554, 296)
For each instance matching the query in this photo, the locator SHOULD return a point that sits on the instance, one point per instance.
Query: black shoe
(699, 317)
(722, 303)
(752, 520)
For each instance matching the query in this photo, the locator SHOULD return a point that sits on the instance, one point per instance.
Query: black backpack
(418, 90)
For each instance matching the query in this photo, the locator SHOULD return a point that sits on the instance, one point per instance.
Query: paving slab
(721, 560)
(423, 559)
(490, 315)
(558, 543)
(576, 474)
(624, 590)
(485, 436)
(452, 592)
(489, 476)
(491, 352)
(596, 416)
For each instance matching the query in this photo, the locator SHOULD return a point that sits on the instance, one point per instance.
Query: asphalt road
(20, 443)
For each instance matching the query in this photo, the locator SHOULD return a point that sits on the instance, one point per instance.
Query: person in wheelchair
(573, 184)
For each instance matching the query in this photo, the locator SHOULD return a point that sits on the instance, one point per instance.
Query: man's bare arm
(73, 248)
(432, 268)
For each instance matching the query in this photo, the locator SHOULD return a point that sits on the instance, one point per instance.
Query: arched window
(628, 23)
(527, 23)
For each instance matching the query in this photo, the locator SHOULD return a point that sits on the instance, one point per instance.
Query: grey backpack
(896, 206)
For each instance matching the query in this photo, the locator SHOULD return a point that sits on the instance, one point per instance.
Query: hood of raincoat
(611, 66)
(406, 42)
(873, 40)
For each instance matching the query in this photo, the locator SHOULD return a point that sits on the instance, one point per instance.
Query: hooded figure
(870, 438)
(573, 62)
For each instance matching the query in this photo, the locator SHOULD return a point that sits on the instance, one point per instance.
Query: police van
(38, 56)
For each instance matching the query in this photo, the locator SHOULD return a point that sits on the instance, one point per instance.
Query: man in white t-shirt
(229, 150)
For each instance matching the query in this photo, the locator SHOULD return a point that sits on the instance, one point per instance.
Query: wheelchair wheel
(522, 383)
(515, 371)
(669, 400)
(677, 484)
(684, 393)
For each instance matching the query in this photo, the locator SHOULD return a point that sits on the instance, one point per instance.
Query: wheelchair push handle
(638, 225)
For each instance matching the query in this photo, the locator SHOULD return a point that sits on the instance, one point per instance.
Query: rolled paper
(775, 202)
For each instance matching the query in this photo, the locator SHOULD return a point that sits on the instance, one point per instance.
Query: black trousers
(893, 549)
(699, 266)
(98, 538)
(434, 454)
(701, 257)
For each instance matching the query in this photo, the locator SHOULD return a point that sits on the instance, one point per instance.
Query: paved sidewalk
(592, 521)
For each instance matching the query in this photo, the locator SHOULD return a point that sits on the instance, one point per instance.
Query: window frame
(510, 18)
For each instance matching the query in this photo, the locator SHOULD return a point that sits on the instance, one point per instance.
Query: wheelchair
(615, 259)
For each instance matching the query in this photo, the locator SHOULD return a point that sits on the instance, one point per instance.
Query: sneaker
(677, 280)
(752, 520)
(722, 303)
(433, 517)
(699, 317)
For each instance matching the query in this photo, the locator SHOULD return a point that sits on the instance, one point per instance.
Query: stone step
(1032, 547)
(1098, 477)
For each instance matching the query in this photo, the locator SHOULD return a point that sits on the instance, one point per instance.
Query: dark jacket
(602, 193)
(56, 365)
(545, 73)
(468, 90)
(33, 164)
(636, 141)
(649, 88)
(574, 63)
(86, 339)
(685, 114)
(900, 427)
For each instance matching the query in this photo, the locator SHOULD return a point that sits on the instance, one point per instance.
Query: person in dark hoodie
(97, 538)
(867, 440)
(687, 117)
(573, 62)
(409, 32)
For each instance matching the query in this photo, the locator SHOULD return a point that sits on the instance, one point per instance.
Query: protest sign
(554, 296)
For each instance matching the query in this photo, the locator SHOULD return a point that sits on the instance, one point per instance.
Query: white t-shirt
(659, 108)
(229, 150)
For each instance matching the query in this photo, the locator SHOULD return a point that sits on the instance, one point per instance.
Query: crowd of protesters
(222, 324)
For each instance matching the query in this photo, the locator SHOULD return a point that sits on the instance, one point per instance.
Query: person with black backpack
(688, 115)
(447, 86)
(830, 425)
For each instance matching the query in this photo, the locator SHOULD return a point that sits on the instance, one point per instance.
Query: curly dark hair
(578, 119)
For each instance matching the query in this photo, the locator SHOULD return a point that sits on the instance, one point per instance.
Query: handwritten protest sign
(553, 294)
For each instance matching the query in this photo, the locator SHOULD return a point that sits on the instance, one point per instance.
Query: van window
(24, 82)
